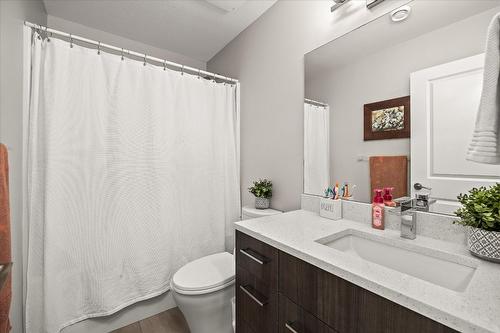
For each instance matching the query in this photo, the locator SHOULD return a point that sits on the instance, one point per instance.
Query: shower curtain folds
(133, 171)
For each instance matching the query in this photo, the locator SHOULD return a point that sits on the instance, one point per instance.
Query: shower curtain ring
(122, 55)
(47, 34)
(70, 41)
(99, 48)
(144, 64)
(199, 71)
(165, 64)
(182, 70)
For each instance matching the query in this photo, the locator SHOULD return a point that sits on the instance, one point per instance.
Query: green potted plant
(263, 191)
(480, 213)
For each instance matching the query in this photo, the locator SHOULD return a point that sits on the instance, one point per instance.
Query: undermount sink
(439, 268)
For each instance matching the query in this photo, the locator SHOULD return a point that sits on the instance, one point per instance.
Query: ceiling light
(338, 4)
(400, 14)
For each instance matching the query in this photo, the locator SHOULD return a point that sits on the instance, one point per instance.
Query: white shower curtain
(133, 171)
(316, 149)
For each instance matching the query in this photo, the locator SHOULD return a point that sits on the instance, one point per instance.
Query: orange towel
(5, 255)
(389, 171)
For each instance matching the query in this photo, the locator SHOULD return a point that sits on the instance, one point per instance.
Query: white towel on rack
(485, 145)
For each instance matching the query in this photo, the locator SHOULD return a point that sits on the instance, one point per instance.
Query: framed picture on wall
(389, 119)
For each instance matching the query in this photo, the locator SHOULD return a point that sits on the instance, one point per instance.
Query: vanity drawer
(294, 319)
(256, 303)
(258, 258)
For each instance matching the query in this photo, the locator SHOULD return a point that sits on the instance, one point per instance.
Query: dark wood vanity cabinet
(277, 292)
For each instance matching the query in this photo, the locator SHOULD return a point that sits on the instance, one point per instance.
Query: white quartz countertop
(477, 309)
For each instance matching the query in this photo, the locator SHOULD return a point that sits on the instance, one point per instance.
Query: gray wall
(120, 41)
(346, 89)
(268, 59)
(12, 16)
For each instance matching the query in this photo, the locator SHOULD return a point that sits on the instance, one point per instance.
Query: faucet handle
(418, 187)
(403, 204)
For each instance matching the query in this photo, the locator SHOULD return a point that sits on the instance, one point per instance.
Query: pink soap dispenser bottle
(378, 210)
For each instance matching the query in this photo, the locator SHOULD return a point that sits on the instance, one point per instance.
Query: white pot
(262, 203)
(484, 244)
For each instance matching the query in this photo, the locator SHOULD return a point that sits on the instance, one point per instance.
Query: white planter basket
(262, 203)
(484, 244)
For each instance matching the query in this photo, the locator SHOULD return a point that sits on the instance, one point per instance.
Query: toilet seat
(205, 275)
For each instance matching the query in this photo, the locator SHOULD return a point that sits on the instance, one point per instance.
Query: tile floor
(170, 321)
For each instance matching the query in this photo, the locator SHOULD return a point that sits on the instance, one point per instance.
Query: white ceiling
(195, 28)
(426, 16)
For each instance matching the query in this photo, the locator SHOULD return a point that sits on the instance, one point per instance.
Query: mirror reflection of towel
(389, 171)
(5, 250)
(485, 144)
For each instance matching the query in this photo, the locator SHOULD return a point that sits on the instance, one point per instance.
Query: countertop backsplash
(431, 225)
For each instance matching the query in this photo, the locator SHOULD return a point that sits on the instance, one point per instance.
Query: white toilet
(248, 212)
(203, 288)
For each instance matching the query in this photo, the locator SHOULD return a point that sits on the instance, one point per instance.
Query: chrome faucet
(409, 225)
(408, 218)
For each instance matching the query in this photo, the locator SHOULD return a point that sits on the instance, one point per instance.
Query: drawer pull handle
(289, 327)
(252, 296)
(253, 256)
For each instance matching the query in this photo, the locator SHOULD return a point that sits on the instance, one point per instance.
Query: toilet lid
(205, 273)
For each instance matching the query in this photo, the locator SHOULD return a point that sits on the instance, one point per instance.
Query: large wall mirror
(393, 104)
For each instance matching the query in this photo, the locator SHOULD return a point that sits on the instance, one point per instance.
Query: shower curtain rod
(313, 102)
(165, 62)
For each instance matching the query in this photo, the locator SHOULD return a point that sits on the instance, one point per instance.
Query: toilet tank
(248, 212)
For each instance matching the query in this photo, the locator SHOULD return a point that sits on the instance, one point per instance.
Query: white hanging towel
(485, 145)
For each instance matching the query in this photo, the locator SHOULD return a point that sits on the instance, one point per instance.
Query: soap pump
(378, 210)
(388, 197)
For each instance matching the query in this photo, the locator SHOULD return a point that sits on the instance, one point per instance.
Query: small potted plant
(263, 191)
(480, 213)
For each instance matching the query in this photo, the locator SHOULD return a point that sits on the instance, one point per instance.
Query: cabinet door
(294, 319)
(242, 327)
(331, 299)
(344, 306)
(379, 315)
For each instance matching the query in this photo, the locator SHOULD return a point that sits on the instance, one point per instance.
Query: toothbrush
(336, 191)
